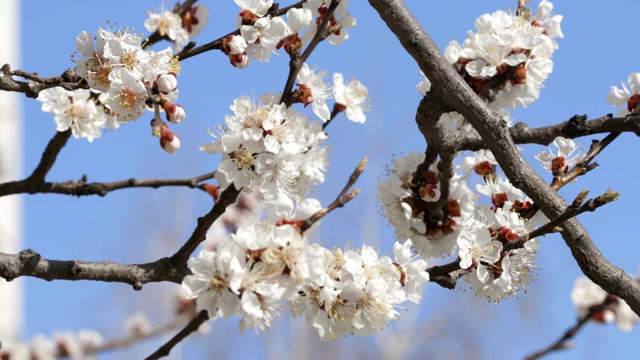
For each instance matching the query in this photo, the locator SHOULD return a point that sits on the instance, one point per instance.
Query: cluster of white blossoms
(407, 206)
(505, 61)
(262, 34)
(590, 300)
(125, 80)
(508, 58)
(269, 265)
(178, 28)
(269, 146)
(436, 227)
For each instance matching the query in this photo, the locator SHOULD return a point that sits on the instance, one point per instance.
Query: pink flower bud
(166, 83)
(169, 141)
(234, 44)
(175, 113)
(240, 61)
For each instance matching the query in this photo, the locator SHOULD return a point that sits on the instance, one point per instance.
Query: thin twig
(193, 326)
(562, 342)
(83, 188)
(581, 168)
(334, 112)
(179, 321)
(340, 200)
(204, 223)
(50, 155)
(572, 211)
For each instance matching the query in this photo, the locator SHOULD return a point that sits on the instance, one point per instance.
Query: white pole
(10, 169)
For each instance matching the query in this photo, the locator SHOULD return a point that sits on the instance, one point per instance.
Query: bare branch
(178, 322)
(563, 342)
(577, 126)
(193, 326)
(83, 188)
(68, 80)
(572, 211)
(204, 223)
(340, 200)
(30, 263)
(37, 177)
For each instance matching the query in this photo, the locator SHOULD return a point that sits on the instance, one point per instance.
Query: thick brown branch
(577, 126)
(454, 93)
(30, 263)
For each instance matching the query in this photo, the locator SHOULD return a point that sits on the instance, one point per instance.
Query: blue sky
(598, 51)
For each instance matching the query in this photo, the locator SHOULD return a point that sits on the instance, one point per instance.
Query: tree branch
(82, 188)
(340, 200)
(37, 177)
(296, 63)
(451, 91)
(562, 342)
(193, 326)
(30, 263)
(191, 50)
(68, 80)
(577, 126)
(204, 223)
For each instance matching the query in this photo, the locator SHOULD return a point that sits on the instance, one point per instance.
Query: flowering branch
(448, 274)
(296, 63)
(191, 50)
(193, 326)
(579, 169)
(340, 200)
(30, 263)
(451, 91)
(583, 167)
